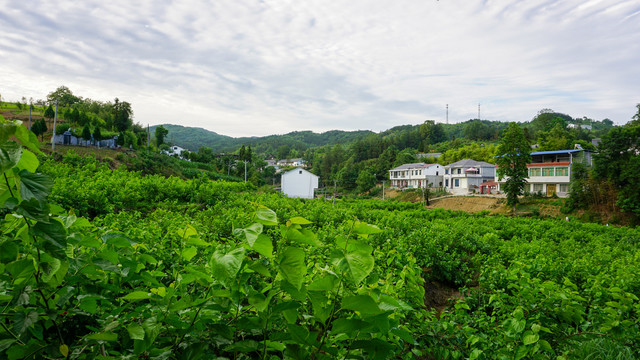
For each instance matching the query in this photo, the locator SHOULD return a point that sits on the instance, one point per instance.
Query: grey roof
(412, 166)
(469, 163)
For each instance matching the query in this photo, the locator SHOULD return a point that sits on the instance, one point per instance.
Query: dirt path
(471, 204)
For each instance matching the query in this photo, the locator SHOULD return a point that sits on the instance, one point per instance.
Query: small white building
(299, 183)
(417, 175)
(466, 176)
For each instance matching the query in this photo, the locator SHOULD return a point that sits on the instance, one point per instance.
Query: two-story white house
(550, 171)
(416, 175)
(466, 176)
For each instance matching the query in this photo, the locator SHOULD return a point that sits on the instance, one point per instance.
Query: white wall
(299, 183)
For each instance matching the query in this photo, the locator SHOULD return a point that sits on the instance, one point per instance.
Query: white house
(550, 171)
(466, 176)
(416, 175)
(299, 183)
(297, 162)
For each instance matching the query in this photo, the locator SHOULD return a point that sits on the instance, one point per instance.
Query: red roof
(489, 183)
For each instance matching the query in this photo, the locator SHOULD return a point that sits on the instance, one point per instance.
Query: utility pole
(55, 121)
(383, 189)
(334, 193)
(478, 111)
(447, 114)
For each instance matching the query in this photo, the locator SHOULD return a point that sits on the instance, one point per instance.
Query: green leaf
(189, 253)
(348, 326)
(325, 283)
(250, 233)
(187, 232)
(27, 138)
(34, 186)
(298, 220)
(196, 241)
(54, 235)
(263, 246)
(292, 266)
(28, 161)
(6, 343)
(118, 240)
(365, 229)
(225, 266)
(266, 216)
(137, 295)
(357, 262)
(304, 236)
(243, 346)
(10, 153)
(23, 321)
(521, 352)
(102, 336)
(34, 209)
(21, 269)
(361, 303)
(530, 338)
(136, 332)
(8, 251)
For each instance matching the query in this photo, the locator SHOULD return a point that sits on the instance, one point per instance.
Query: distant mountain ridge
(193, 138)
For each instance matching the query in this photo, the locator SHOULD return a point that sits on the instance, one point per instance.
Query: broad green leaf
(243, 346)
(137, 295)
(298, 220)
(102, 336)
(23, 321)
(196, 241)
(348, 326)
(55, 271)
(54, 235)
(5, 343)
(292, 266)
(361, 303)
(250, 234)
(8, 251)
(117, 239)
(521, 352)
(404, 335)
(27, 138)
(365, 229)
(7, 129)
(34, 209)
(28, 161)
(321, 305)
(136, 332)
(266, 216)
(10, 153)
(530, 338)
(325, 283)
(376, 349)
(21, 268)
(34, 186)
(225, 266)
(187, 232)
(304, 236)
(64, 350)
(189, 253)
(357, 262)
(263, 246)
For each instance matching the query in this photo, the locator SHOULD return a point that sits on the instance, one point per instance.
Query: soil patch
(437, 296)
(471, 204)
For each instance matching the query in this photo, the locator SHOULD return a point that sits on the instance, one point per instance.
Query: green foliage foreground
(203, 270)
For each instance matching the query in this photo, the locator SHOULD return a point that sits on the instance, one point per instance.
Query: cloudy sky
(252, 68)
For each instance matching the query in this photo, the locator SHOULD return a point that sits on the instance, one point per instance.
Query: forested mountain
(194, 138)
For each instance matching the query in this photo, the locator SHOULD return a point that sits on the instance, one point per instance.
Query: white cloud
(255, 68)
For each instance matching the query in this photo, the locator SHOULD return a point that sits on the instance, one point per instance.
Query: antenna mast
(447, 114)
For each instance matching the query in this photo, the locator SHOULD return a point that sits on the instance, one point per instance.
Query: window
(446, 182)
(456, 182)
(547, 171)
(300, 172)
(562, 171)
(436, 173)
(459, 171)
(563, 188)
(446, 171)
(535, 172)
(537, 188)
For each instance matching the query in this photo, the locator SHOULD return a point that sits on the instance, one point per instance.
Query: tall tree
(160, 134)
(122, 115)
(64, 96)
(513, 155)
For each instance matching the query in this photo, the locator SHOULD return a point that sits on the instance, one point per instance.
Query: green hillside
(193, 138)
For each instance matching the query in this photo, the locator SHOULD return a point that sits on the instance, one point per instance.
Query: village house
(466, 176)
(299, 183)
(550, 171)
(298, 162)
(416, 175)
